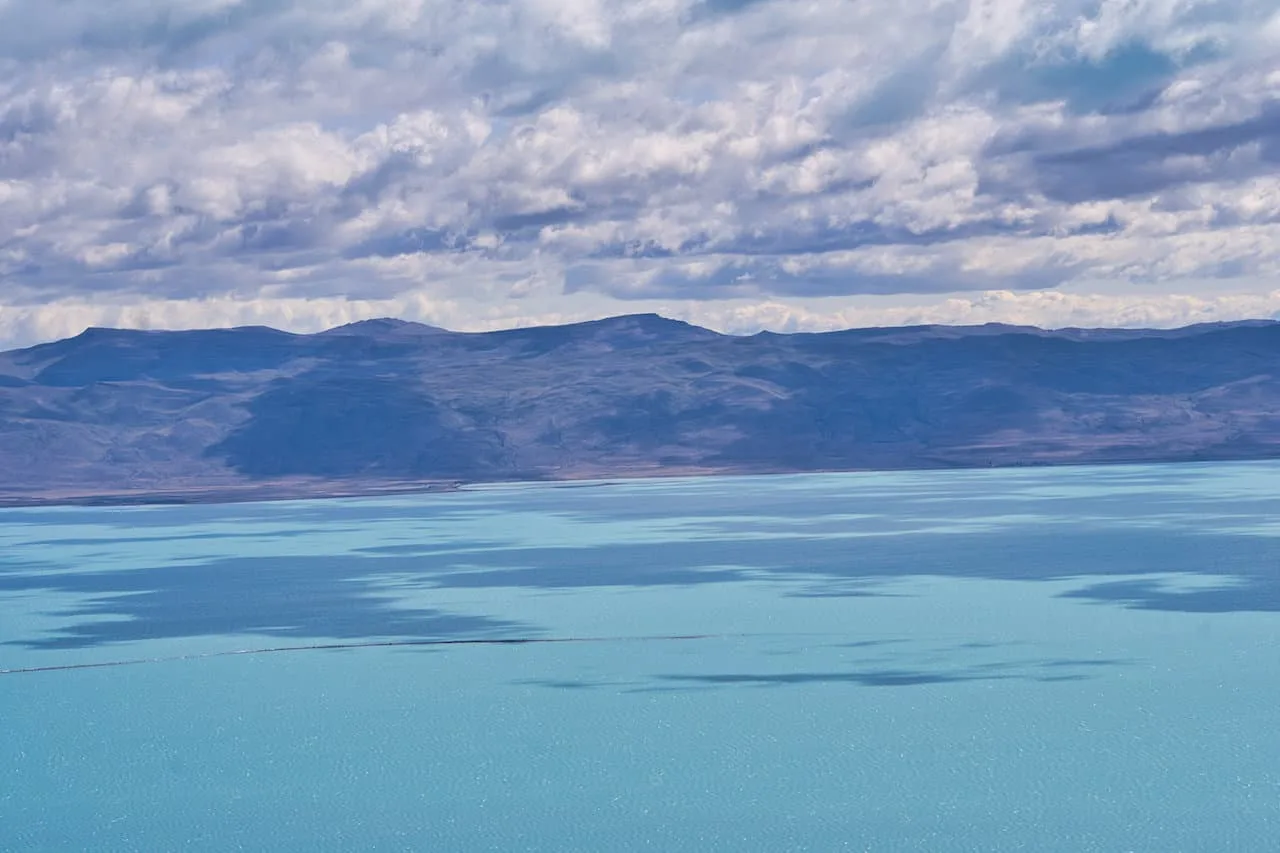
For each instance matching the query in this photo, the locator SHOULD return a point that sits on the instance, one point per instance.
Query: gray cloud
(1151, 163)
(540, 151)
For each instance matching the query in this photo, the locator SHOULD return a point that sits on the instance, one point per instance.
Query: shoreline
(278, 491)
(222, 494)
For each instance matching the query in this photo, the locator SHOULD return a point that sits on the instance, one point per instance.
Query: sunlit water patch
(1062, 659)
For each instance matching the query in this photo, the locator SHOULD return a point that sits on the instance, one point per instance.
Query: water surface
(1049, 659)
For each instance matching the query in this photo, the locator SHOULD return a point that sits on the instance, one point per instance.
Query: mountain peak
(384, 326)
(649, 325)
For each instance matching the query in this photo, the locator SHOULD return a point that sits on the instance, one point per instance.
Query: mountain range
(124, 415)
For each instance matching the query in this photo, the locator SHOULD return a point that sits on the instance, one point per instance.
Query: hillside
(123, 415)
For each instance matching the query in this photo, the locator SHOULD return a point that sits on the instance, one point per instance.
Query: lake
(1025, 659)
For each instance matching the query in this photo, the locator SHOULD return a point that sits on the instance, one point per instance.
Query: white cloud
(517, 160)
(1050, 310)
(20, 326)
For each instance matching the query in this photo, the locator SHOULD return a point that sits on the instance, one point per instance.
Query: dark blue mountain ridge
(385, 327)
(389, 403)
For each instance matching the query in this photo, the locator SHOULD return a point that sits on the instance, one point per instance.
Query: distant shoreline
(271, 492)
(248, 493)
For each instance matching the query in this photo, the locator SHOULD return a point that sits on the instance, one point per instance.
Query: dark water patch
(905, 668)
(829, 566)
(349, 596)
(845, 590)
(871, 678)
(26, 567)
(276, 596)
(905, 677)
(426, 549)
(353, 596)
(592, 485)
(1259, 592)
(868, 644)
(1085, 662)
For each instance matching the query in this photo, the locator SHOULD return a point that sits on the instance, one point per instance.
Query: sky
(741, 164)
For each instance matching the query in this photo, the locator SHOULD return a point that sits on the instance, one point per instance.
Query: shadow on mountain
(327, 425)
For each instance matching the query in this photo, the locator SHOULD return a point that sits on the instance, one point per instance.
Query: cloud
(1044, 309)
(21, 326)
(524, 159)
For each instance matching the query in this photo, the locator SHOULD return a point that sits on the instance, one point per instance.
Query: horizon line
(399, 321)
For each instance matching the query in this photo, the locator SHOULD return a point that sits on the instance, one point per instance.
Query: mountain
(384, 404)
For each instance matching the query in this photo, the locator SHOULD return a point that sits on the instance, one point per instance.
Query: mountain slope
(381, 402)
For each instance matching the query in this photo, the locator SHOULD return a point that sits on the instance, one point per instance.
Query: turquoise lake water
(1067, 659)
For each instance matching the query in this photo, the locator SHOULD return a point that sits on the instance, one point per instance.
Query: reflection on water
(364, 568)
(1025, 659)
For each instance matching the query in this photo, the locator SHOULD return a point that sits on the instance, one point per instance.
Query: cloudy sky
(738, 163)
